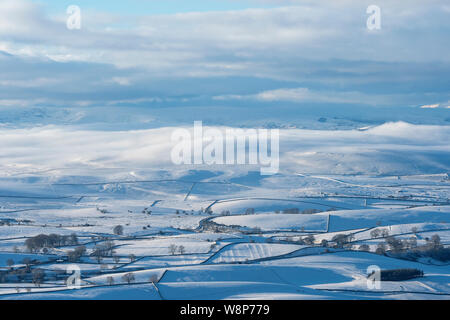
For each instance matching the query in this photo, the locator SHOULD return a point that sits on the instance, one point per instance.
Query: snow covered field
(222, 232)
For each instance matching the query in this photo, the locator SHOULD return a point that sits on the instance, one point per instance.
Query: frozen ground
(187, 233)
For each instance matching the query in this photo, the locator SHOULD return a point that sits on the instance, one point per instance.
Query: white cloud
(375, 150)
(29, 83)
(300, 95)
(121, 81)
(296, 95)
(430, 106)
(218, 42)
(314, 44)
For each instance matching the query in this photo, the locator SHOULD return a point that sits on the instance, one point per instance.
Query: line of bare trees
(43, 241)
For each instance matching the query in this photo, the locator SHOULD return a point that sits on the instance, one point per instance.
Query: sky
(152, 7)
(152, 53)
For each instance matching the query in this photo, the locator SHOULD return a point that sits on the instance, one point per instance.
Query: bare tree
(76, 254)
(385, 233)
(381, 248)
(153, 278)
(128, 277)
(27, 263)
(97, 253)
(309, 240)
(395, 244)
(412, 242)
(110, 280)
(73, 239)
(435, 242)
(249, 211)
(10, 263)
(375, 233)
(118, 230)
(181, 249)
(38, 277)
(364, 247)
(172, 249)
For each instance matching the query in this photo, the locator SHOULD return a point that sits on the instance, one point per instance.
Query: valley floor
(211, 236)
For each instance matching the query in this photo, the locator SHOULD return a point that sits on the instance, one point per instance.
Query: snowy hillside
(219, 234)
